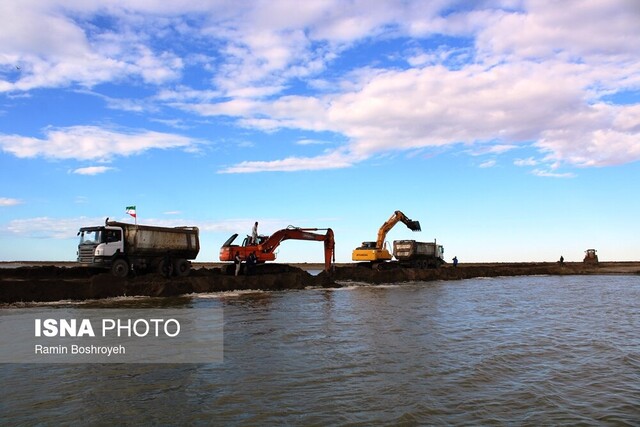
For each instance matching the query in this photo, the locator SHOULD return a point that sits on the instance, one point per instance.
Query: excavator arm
(391, 222)
(297, 233)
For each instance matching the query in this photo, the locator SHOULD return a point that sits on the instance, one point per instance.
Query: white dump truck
(123, 247)
(415, 254)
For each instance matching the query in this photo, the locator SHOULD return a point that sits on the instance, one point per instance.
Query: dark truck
(411, 253)
(123, 247)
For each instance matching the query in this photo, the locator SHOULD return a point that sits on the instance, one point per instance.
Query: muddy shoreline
(39, 282)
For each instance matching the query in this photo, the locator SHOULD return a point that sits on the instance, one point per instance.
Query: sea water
(541, 350)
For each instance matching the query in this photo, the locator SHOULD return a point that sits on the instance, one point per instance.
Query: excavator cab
(368, 245)
(247, 241)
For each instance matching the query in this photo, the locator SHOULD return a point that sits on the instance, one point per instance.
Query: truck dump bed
(405, 249)
(145, 240)
(418, 254)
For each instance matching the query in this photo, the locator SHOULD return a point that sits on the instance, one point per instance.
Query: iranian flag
(131, 210)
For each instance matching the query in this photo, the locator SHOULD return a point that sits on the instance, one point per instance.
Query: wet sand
(27, 281)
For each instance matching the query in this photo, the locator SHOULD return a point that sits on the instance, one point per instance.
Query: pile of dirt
(387, 274)
(52, 283)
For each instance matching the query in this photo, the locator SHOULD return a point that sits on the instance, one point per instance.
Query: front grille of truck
(85, 253)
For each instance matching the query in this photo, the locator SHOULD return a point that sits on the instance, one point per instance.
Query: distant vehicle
(590, 256)
(414, 254)
(123, 247)
(266, 245)
(376, 252)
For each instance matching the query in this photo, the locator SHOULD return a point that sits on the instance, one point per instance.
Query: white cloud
(6, 201)
(526, 162)
(592, 30)
(46, 227)
(54, 46)
(123, 104)
(91, 143)
(487, 164)
(551, 174)
(331, 160)
(534, 96)
(435, 106)
(92, 170)
(509, 104)
(604, 135)
(260, 46)
(534, 73)
(246, 144)
(482, 150)
(309, 141)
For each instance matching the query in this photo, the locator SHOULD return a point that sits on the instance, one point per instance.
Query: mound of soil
(363, 273)
(52, 283)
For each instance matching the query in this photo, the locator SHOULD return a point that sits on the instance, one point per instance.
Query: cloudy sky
(509, 129)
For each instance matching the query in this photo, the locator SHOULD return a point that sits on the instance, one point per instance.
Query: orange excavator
(265, 247)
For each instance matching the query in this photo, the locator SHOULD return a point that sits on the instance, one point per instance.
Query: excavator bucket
(414, 225)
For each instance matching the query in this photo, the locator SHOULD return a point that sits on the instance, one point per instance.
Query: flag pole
(132, 210)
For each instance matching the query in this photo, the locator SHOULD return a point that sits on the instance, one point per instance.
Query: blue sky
(509, 129)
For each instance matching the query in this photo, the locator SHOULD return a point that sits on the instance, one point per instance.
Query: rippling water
(504, 351)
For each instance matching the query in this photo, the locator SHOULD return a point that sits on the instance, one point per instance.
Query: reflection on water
(524, 350)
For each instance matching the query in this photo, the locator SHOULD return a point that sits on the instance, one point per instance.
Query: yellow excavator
(377, 251)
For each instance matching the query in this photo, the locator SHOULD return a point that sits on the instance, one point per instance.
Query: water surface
(504, 351)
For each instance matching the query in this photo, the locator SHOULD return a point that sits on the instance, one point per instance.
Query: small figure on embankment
(238, 262)
(254, 234)
(252, 261)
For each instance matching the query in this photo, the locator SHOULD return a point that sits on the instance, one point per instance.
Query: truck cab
(99, 244)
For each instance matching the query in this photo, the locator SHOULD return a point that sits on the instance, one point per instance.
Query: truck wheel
(120, 268)
(165, 267)
(181, 267)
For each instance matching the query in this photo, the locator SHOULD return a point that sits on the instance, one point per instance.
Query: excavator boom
(391, 222)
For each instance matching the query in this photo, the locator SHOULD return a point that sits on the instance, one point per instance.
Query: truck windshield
(90, 236)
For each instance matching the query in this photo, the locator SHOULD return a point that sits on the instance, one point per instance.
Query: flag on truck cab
(131, 210)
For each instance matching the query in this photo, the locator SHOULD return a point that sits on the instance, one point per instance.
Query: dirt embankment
(466, 271)
(52, 283)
